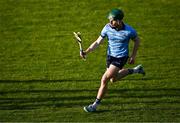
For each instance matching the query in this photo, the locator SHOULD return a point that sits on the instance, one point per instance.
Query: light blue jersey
(118, 41)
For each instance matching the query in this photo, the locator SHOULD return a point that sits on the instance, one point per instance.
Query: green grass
(42, 77)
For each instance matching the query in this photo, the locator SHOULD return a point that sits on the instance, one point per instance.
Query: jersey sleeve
(133, 34)
(104, 32)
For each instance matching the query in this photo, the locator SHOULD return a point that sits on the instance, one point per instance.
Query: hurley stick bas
(79, 41)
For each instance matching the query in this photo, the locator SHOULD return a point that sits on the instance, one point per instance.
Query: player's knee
(109, 75)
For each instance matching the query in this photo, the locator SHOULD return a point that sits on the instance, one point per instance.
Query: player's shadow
(48, 81)
(74, 97)
(35, 103)
(80, 97)
(47, 98)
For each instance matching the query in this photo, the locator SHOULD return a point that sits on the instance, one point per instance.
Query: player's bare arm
(93, 46)
(134, 52)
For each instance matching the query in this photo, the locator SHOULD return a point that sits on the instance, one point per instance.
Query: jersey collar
(123, 27)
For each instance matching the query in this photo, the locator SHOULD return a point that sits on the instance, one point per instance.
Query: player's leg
(120, 62)
(120, 74)
(124, 72)
(110, 73)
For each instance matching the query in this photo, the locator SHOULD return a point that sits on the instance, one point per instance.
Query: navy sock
(131, 71)
(98, 101)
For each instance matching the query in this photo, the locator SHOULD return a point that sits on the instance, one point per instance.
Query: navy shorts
(118, 62)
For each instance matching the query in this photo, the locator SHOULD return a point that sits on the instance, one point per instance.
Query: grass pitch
(42, 77)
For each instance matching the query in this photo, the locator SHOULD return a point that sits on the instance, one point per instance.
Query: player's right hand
(82, 54)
